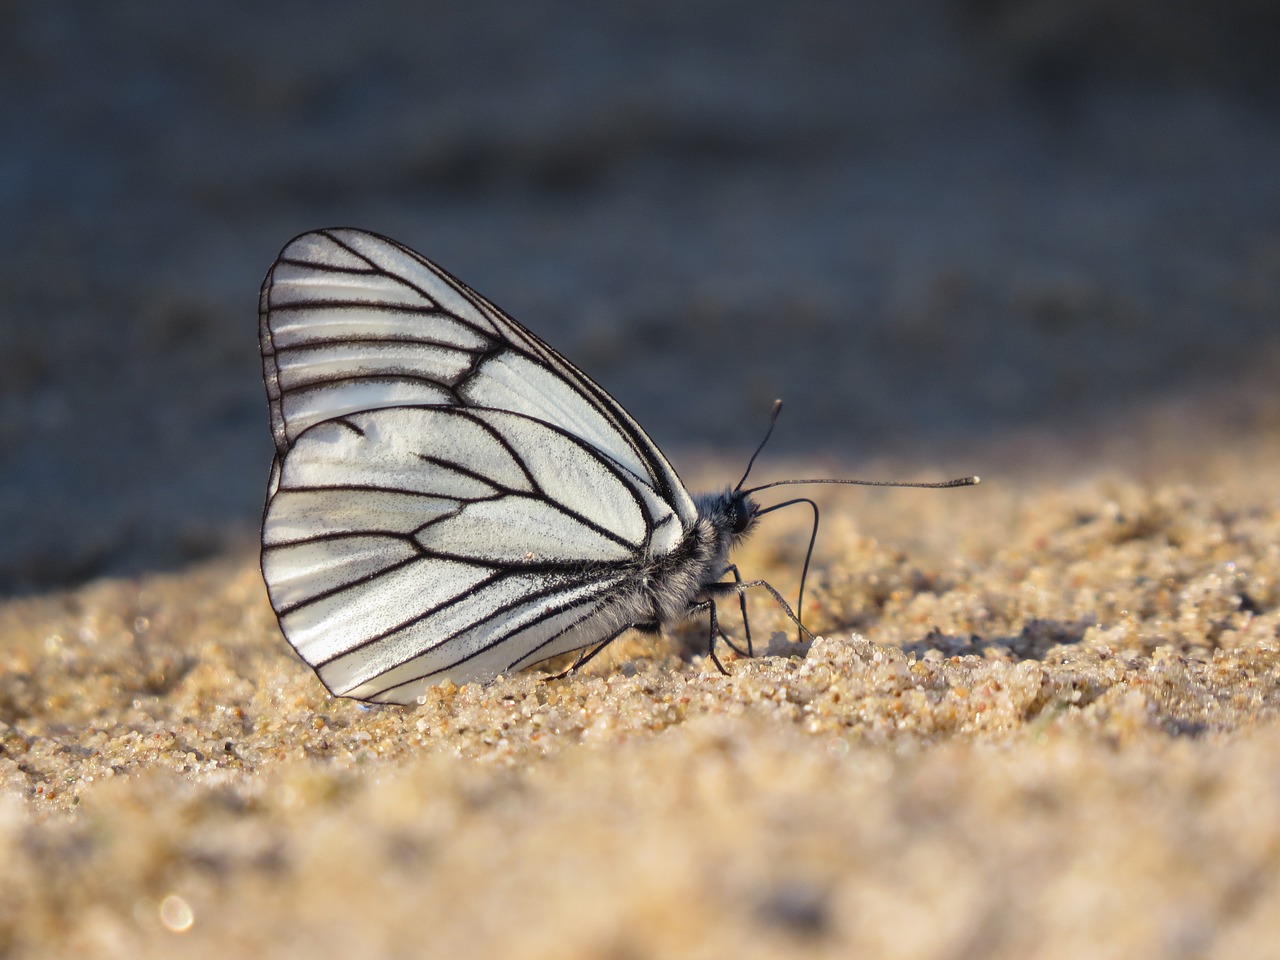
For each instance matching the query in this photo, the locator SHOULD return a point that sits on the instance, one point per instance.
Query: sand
(1036, 241)
(1041, 720)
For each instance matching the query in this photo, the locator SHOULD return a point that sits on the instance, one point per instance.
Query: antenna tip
(976, 480)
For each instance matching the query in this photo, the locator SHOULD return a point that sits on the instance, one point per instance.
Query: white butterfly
(452, 498)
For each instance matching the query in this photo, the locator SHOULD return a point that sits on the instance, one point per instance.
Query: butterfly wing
(352, 321)
(451, 498)
(409, 544)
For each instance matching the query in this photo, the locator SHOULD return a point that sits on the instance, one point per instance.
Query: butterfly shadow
(1033, 642)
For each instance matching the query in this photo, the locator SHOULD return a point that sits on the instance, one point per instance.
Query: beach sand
(1035, 241)
(1040, 721)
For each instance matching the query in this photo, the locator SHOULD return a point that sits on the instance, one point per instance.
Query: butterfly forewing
(353, 321)
(451, 497)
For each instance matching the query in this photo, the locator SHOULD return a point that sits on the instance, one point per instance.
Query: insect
(452, 498)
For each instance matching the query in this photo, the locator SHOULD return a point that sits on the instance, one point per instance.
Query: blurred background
(921, 224)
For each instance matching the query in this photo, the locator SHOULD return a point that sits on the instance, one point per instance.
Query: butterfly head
(731, 513)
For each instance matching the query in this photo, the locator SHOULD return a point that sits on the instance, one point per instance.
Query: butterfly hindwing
(392, 563)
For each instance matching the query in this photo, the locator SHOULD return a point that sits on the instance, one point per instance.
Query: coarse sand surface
(1037, 241)
(1040, 721)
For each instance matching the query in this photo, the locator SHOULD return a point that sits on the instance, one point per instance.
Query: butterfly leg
(739, 586)
(742, 604)
(714, 628)
(589, 653)
(726, 588)
(714, 631)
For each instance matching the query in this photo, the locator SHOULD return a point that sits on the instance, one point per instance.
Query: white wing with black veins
(451, 497)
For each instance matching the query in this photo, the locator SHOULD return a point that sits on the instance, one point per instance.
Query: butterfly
(450, 497)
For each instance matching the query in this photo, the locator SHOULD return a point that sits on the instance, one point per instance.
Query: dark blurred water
(914, 222)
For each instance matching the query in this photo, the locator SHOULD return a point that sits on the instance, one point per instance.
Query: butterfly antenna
(813, 534)
(933, 485)
(773, 419)
(808, 555)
